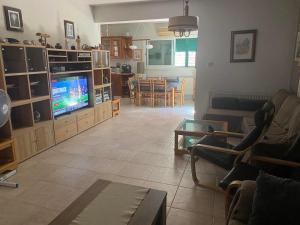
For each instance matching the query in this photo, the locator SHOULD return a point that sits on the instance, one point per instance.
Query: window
(185, 52)
(161, 53)
(179, 52)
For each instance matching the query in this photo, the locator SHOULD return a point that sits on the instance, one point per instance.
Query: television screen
(69, 94)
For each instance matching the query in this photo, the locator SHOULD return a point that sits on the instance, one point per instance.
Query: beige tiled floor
(134, 148)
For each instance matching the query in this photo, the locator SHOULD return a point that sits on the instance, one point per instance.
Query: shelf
(40, 98)
(65, 62)
(101, 68)
(57, 56)
(8, 166)
(39, 85)
(17, 103)
(5, 142)
(98, 77)
(36, 59)
(13, 58)
(15, 74)
(70, 72)
(42, 111)
(21, 116)
(102, 86)
(37, 72)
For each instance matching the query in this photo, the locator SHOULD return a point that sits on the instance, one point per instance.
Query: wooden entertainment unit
(26, 73)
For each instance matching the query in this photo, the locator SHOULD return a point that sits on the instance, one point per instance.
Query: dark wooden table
(151, 211)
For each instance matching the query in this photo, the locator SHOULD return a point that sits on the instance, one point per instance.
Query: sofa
(233, 108)
(286, 122)
(268, 200)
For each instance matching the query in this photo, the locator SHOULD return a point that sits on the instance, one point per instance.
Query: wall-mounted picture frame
(13, 19)
(243, 46)
(138, 54)
(69, 29)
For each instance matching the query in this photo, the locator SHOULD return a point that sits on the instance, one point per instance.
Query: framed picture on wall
(138, 54)
(13, 19)
(69, 29)
(243, 46)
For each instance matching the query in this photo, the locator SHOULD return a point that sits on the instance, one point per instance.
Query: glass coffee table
(189, 132)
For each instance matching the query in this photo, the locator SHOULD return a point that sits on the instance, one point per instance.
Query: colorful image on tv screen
(69, 94)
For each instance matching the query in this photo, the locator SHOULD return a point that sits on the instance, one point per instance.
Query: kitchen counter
(120, 84)
(123, 74)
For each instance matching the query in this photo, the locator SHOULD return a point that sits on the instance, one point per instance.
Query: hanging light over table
(183, 25)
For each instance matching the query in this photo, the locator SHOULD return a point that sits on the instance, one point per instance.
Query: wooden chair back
(159, 86)
(182, 86)
(160, 90)
(154, 78)
(144, 85)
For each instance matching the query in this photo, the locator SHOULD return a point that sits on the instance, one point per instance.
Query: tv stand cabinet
(25, 74)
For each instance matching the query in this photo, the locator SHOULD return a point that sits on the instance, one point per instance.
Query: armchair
(215, 148)
(268, 200)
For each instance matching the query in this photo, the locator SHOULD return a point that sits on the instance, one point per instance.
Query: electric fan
(5, 106)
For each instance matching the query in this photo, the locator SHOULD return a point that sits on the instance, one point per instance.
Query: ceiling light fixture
(183, 25)
(149, 46)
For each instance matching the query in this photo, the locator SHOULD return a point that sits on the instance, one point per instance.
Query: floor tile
(49, 195)
(135, 148)
(200, 201)
(182, 217)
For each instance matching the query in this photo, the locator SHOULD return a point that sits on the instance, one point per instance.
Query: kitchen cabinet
(118, 46)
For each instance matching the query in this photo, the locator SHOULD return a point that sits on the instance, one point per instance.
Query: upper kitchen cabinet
(118, 46)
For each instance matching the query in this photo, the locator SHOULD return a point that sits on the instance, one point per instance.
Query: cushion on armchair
(241, 205)
(221, 159)
(276, 201)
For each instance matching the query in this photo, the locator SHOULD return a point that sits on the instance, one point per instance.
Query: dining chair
(145, 91)
(160, 91)
(180, 92)
(132, 89)
(154, 78)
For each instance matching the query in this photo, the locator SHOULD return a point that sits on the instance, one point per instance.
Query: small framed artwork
(69, 29)
(297, 50)
(243, 46)
(138, 54)
(13, 19)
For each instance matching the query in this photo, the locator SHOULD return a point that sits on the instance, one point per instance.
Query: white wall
(48, 16)
(149, 30)
(275, 20)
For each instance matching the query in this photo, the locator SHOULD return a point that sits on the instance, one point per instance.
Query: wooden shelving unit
(26, 73)
(24, 76)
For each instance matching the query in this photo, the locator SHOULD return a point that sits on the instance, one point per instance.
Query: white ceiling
(100, 2)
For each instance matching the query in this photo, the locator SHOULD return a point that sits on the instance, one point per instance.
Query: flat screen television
(69, 94)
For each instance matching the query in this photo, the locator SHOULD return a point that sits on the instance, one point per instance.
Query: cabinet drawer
(64, 121)
(99, 113)
(25, 143)
(85, 124)
(85, 114)
(44, 134)
(66, 132)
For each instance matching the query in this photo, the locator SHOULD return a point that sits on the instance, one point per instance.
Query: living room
(196, 149)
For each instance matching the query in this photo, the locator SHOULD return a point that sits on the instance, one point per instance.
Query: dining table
(172, 84)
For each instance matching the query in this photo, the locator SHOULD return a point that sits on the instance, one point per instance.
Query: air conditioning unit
(163, 31)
